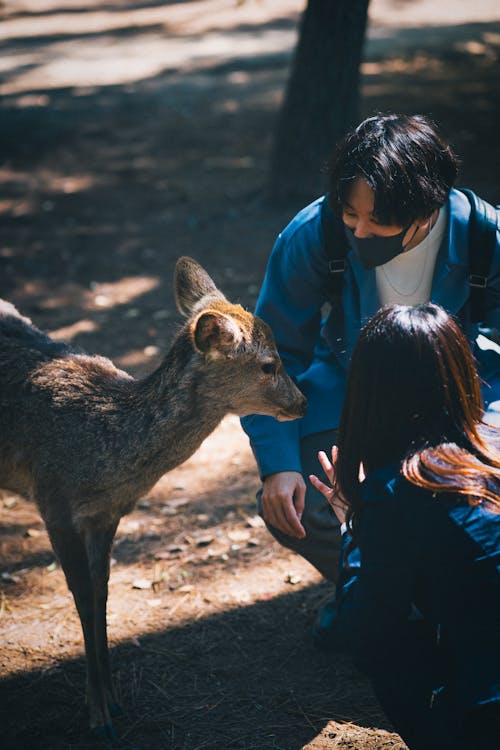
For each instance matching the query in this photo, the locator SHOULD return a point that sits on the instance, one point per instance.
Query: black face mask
(375, 251)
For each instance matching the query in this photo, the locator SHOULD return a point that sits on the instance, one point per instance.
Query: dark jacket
(443, 556)
(317, 350)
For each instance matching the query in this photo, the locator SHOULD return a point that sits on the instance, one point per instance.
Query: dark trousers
(410, 681)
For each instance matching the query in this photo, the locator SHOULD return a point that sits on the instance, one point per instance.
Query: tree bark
(322, 96)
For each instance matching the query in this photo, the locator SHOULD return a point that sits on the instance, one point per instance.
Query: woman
(422, 530)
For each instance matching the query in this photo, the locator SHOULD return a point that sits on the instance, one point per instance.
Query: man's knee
(321, 545)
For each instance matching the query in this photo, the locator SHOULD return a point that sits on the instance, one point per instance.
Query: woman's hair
(409, 167)
(413, 399)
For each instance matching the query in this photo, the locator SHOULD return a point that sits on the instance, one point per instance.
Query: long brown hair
(413, 399)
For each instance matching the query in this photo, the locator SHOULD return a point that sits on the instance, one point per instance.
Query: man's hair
(404, 160)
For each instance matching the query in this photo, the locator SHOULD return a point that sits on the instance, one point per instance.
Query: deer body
(85, 440)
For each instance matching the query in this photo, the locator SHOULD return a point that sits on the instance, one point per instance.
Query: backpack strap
(483, 224)
(336, 247)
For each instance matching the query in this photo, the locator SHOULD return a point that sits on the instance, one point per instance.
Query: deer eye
(269, 368)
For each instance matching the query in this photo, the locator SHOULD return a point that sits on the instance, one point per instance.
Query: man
(391, 183)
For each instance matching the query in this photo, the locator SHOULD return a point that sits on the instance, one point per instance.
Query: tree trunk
(321, 101)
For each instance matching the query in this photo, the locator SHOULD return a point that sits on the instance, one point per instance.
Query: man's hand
(283, 497)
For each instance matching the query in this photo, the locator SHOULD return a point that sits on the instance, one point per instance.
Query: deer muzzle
(295, 411)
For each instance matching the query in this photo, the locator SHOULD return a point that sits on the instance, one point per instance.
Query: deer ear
(215, 334)
(191, 285)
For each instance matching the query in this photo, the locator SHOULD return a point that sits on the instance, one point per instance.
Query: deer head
(236, 346)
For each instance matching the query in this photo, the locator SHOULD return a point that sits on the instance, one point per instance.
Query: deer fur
(86, 440)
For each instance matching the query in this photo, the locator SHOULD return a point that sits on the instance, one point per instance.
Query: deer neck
(175, 407)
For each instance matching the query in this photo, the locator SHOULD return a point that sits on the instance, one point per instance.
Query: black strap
(483, 224)
(336, 248)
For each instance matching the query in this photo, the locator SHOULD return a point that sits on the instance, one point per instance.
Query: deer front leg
(72, 554)
(98, 543)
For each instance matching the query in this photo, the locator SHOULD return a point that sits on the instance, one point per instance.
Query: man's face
(357, 213)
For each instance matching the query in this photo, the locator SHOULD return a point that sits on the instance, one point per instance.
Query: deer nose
(302, 405)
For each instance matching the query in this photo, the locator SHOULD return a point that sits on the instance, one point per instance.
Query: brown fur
(85, 440)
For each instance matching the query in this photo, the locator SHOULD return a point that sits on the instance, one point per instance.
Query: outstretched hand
(336, 501)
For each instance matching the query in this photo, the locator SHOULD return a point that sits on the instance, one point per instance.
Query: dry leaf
(33, 533)
(186, 589)
(164, 555)
(178, 502)
(130, 526)
(238, 535)
(204, 541)
(142, 583)
(256, 522)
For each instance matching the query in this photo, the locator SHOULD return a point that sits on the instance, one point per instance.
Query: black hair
(404, 160)
(413, 399)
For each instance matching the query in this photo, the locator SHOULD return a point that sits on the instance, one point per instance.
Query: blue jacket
(416, 547)
(317, 350)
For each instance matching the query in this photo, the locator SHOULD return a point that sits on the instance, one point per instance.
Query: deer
(85, 440)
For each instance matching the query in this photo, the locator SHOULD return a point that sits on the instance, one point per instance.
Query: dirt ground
(132, 132)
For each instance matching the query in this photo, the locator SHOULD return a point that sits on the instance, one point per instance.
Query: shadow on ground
(212, 683)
